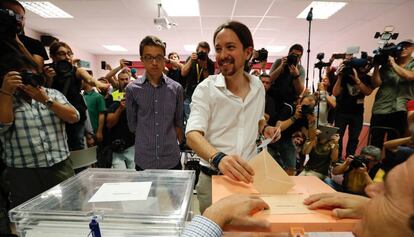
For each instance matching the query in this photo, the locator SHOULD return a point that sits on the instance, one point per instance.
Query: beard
(227, 66)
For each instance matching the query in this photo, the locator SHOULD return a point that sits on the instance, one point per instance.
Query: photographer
(32, 130)
(31, 48)
(396, 86)
(123, 72)
(359, 171)
(120, 138)
(197, 67)
(67, 79)
(174, 67)
(350, 89)
(287, 77)
(284, 150)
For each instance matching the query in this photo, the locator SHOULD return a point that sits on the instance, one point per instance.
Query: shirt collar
(146, 80)
(221, 82)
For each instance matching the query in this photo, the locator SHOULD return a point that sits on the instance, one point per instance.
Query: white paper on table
(285, 204)
(124, 191)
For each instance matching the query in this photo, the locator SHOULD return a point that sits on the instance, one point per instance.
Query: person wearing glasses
(67, 79)
(154, 106)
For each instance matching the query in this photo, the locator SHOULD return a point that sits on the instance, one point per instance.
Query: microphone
(310, 15)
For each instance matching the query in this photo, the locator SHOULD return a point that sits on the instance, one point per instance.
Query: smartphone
(103, 65)
(128, 63)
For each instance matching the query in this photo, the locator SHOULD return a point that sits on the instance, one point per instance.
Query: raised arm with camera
(111, 75)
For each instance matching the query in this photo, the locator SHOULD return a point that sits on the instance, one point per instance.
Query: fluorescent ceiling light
(116, 48)
(46, 9)
(181, 7)
(190, 47)
(275, 48)
(322, 10)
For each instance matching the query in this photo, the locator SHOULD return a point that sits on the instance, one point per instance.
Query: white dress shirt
(229, 124)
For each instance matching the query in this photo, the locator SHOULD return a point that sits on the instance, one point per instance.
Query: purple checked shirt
(153, 114)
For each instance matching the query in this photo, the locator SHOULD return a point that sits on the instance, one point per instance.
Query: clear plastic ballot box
(65, 210)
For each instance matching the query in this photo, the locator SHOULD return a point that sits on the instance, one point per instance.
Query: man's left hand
(294, 71)
(36, 93)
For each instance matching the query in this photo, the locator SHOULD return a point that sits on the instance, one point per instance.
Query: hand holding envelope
(269, 177)
(272, 134)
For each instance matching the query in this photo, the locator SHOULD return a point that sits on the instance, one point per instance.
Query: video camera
(353, 63)
(260, 55)
(386, 49)
(321, 64)
(9, 24)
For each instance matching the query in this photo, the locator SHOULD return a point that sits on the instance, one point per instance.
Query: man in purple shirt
(154, 107)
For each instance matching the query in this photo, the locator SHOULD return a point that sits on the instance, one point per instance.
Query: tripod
(319, 65)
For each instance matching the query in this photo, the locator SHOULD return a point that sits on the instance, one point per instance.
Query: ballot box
(122, 202)
(286, 210)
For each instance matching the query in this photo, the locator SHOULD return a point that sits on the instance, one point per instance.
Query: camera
(9, 23)
(62, 68)
(118, 145)
(261, 55)
(306, 109)
(385, 48)
(33, 79)
(202, 55)
(381, 54)
(338, 56)
(292, 59)
(358, 162)
(321, 64)
(354, 63)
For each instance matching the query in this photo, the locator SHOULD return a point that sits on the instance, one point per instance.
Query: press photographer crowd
(149, 121)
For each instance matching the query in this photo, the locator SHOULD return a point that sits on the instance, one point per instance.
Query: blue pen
(94, 226)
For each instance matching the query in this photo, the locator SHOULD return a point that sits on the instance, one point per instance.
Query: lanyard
(199, 73)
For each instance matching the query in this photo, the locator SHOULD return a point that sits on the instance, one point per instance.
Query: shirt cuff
(201, 226)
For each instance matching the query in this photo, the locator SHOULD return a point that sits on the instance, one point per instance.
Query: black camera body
(202, 56)
(292, 59)
(9, 24)
(262, 55)
(306, 109)
(118, 145)
(382, 54)
(33, 79)
(62, 68)
(359, 162)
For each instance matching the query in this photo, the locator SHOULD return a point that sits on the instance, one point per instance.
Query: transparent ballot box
(65, 210)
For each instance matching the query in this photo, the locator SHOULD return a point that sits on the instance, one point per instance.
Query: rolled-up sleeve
(131, 108)
(200, 109)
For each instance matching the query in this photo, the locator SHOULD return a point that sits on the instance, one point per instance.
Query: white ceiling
(272, 22)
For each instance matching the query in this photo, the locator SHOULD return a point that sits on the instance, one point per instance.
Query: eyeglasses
(149, 58)
(61, 53)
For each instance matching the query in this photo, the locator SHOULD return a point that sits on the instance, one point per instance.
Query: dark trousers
(26, 183)
(397, 120)
(354, 123)
(177, 167)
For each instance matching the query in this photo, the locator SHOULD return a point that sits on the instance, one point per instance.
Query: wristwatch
(48, 103)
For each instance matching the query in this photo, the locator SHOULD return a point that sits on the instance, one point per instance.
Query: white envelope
(269, 177)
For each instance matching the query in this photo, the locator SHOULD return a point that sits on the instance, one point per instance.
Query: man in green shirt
(96, 109)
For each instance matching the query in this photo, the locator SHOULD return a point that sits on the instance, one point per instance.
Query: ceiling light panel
(181, 7)
(115, 48)
(45, 9)
(322, 10)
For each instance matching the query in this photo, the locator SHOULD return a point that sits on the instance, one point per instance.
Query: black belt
(209, 172)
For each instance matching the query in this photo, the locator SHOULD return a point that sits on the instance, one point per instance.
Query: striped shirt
(153, 114)
(202, 227)
(37, 136)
